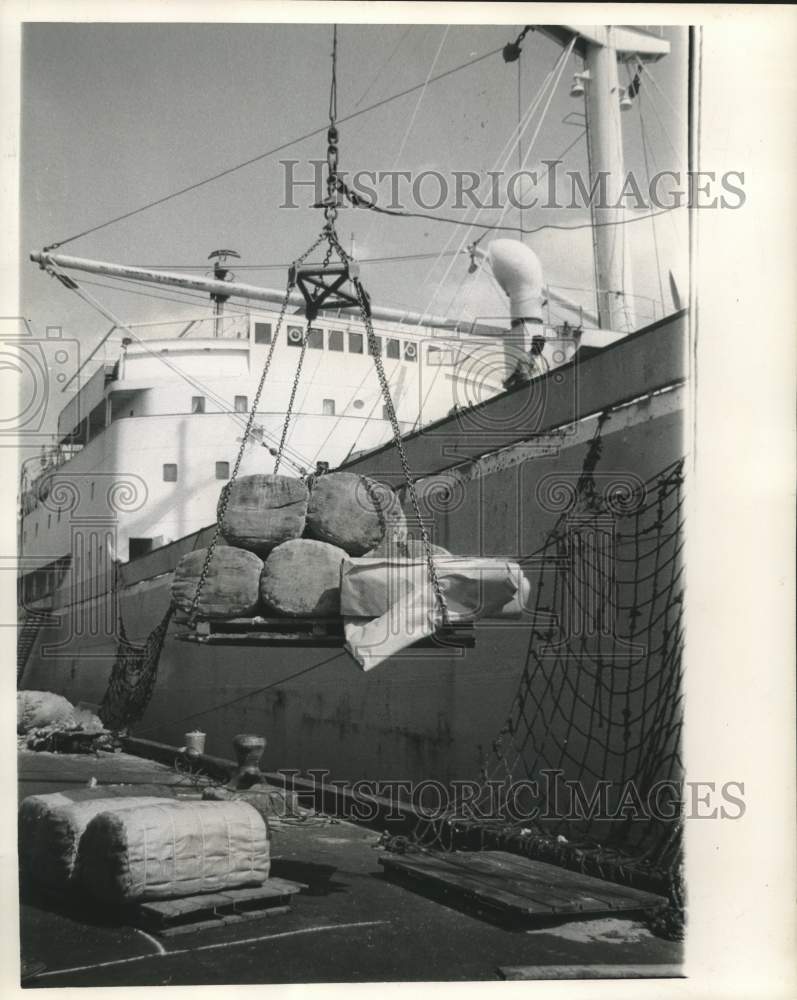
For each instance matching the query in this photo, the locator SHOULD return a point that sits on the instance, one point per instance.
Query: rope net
(586, 770)
(133, 676)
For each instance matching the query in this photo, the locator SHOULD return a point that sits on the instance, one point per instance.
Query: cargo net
(133, 675)
(586, 770)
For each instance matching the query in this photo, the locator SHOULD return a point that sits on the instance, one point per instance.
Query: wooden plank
(542, 889)
(565, 878)
(216, 908)
(516, 972)
(518, 885)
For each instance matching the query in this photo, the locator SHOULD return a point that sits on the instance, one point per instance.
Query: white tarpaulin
(388, 605)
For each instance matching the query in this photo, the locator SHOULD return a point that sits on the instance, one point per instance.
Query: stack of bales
(284, 543)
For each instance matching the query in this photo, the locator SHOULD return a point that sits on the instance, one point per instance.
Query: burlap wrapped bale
(231, 586)
(264, 511)
(173, 849)
(353, 512)
(301, 578)
(37, 709)
(50, 828)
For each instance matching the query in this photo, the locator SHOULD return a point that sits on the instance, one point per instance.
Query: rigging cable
(271, 152)
(554, 78)
(501, 162)
(652, 221)
(222, 403)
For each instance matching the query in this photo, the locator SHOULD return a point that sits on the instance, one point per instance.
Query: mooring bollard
(249, 750)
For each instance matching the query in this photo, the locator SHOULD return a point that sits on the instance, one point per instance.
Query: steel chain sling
(224, 499)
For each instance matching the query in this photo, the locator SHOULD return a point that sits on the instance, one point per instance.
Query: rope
(271, 152)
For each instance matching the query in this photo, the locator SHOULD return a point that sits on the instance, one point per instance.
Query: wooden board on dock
(191, 913)
(511, 887)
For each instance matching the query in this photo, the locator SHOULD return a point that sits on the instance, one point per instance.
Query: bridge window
(410, 352)
(328, 407)
(141, 546)
(295, 336)
(355, 343)
(262, 333)
(315, 339)
(197, 404)
(222, 470)
(335, 340)
(241, 404)
(393, 349)
(170, 472)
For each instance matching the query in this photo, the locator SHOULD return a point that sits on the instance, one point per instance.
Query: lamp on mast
(220, 273)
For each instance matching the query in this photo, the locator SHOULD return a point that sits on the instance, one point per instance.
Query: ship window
(262, 333)
(335, 340)
(315, 339)
(377, 347)
(410, 352)
(222, 470)
(170, 472)
(440, 356)
(140, 547)
(197, 404)
(295, 336)
(328, 407)
(355, 343)
(241, 404)
(393, 349)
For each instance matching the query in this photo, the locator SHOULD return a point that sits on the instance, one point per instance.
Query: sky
(117, 115)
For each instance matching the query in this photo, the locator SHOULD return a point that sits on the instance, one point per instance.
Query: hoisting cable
(224, 498)
(324, 288)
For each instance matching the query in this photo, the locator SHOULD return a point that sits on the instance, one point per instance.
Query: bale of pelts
(353, 512)
(50, 828)
(301, 579)
(231, 588)
(36, 709)
(264, 511)
(171, 849)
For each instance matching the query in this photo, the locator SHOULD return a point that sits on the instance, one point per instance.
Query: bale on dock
(263, 511)
(301, 578)
(36, 709)
(352, 512)
(171, 849)
(50, 828)
(231, 588)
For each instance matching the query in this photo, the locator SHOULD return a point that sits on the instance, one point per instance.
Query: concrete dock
(350, 925)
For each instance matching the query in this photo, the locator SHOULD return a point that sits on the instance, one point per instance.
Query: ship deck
(349, 925)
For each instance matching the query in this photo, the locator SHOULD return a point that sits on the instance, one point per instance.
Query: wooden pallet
(513, 888)
(168, 917)
(307, 632)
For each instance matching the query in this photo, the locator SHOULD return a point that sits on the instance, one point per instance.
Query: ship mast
(601, 47)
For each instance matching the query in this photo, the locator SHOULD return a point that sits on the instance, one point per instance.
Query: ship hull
(431, 714)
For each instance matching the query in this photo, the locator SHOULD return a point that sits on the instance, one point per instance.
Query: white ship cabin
(149, 439)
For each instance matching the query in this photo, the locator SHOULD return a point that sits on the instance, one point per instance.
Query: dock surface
(351, 924)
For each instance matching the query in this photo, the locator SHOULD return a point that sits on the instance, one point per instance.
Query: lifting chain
(329, 234)
(224, 499)
(365, 316)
